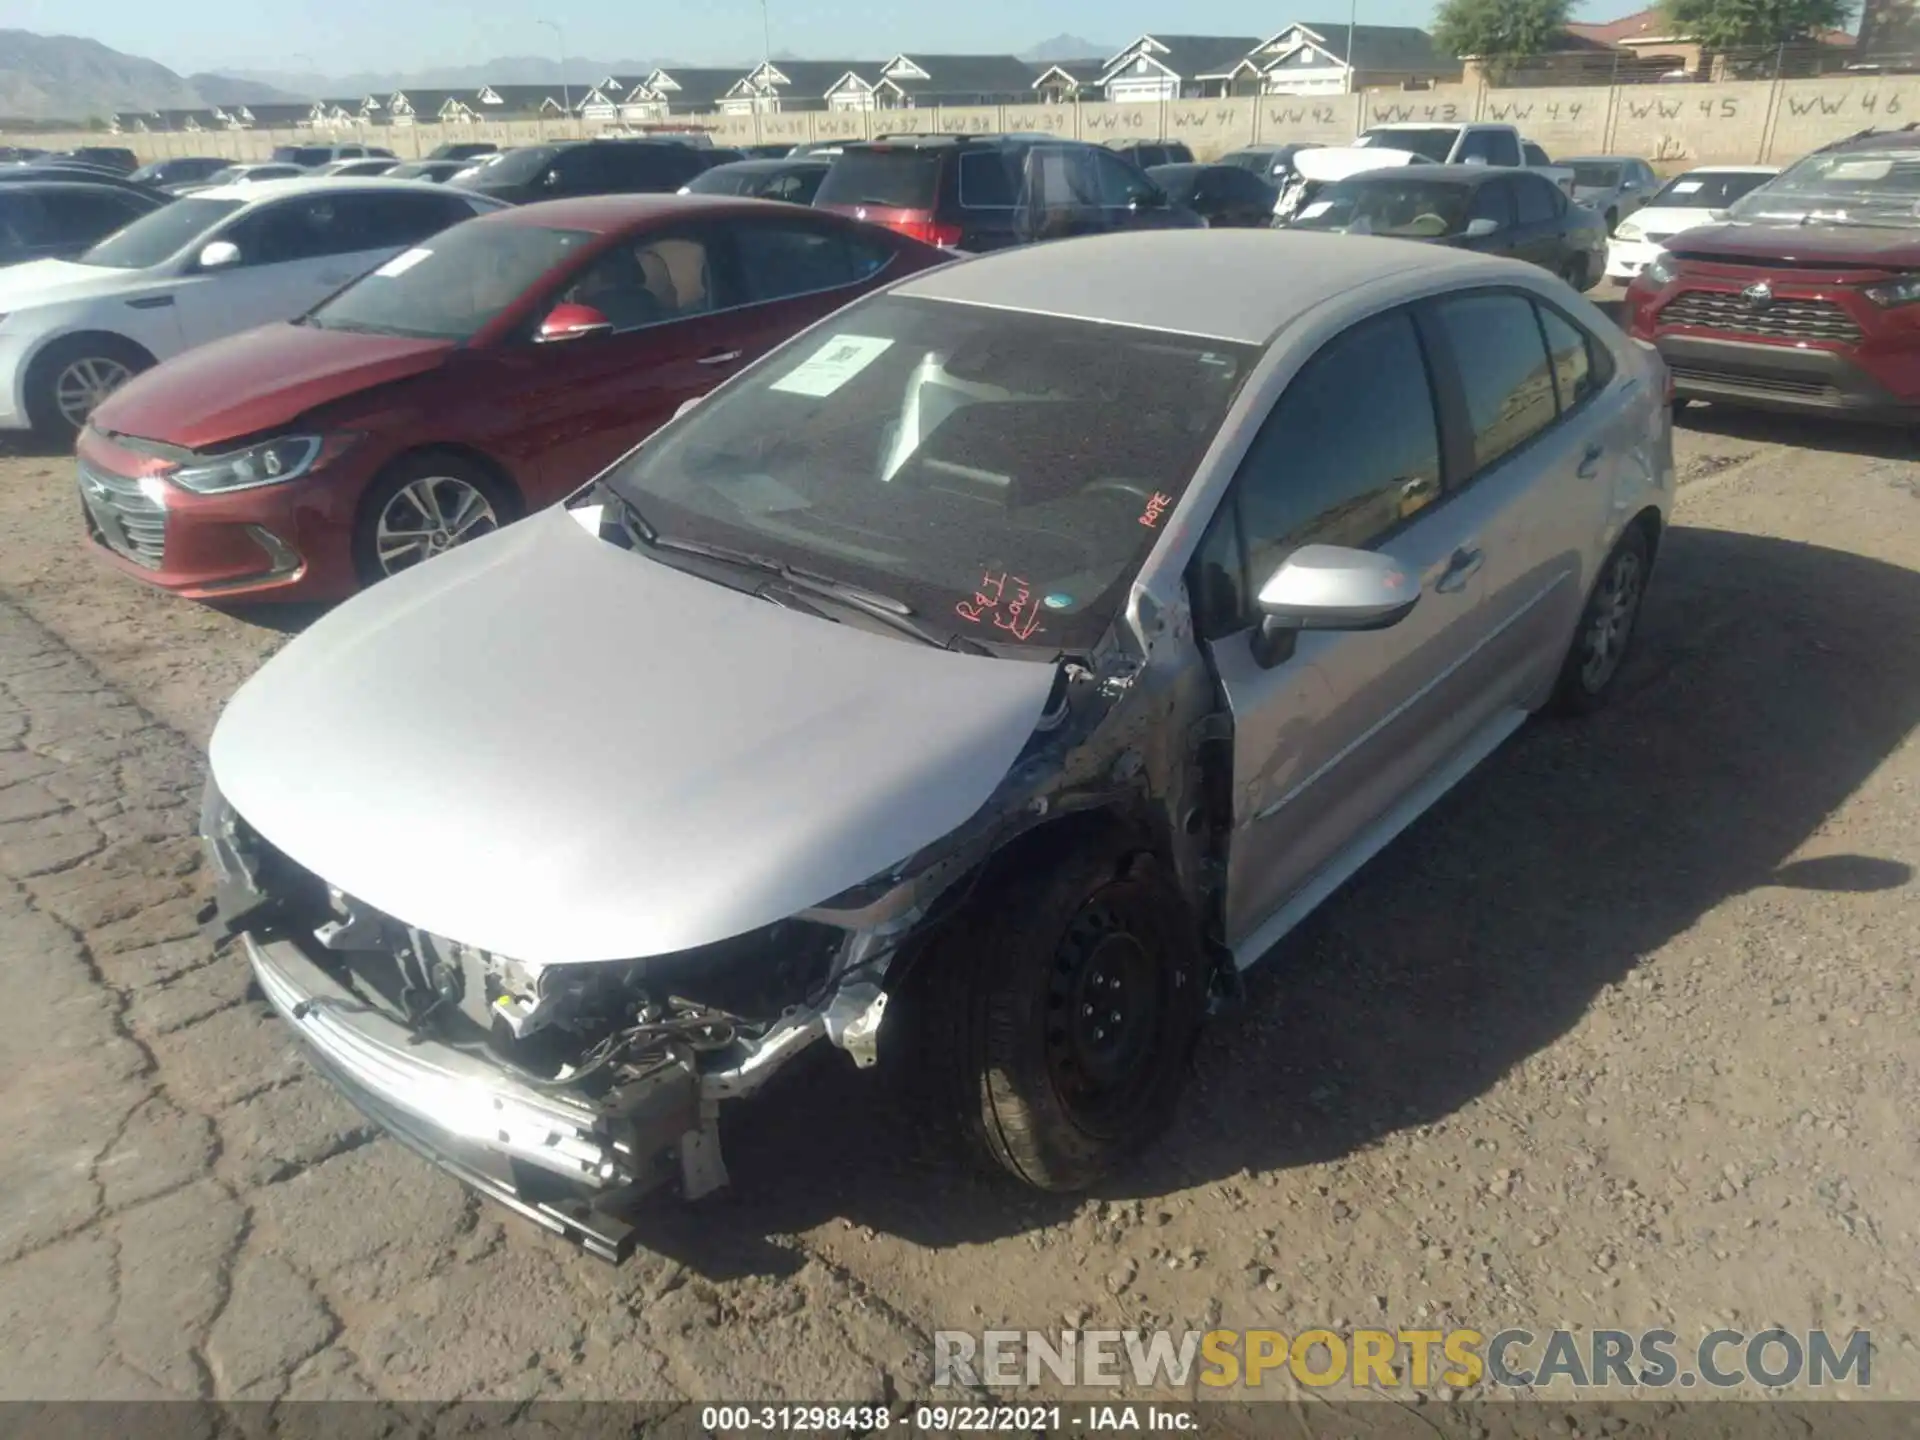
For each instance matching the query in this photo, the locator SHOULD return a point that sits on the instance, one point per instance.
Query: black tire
(1598, 651)
(1680, 403)
(1006, 1054)
(51, 422)
(439, 472)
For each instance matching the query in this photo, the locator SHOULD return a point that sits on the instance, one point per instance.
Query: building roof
(1404, 48)
(814, 78)
(690, 86)
(1652, 27)
(1234, 285)
(428, 104)
(1081, 72)
(1191, 57)
(276, 114)
(958, 76)
(519, 99)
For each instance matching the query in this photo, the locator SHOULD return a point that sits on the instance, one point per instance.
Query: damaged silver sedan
(978, 683)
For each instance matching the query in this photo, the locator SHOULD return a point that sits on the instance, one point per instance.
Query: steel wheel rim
(84, 384)
(1614, 610)
(1102, 1021)
(427, 517)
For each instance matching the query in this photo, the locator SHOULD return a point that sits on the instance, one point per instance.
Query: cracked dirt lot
(1623, 1034)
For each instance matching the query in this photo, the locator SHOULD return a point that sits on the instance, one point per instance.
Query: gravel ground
(1621, 1035)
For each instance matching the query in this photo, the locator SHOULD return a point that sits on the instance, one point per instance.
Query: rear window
(303, 154)
(1707, 190)
(1595, 177)
(891, 179)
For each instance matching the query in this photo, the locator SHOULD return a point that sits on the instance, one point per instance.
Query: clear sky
(340, 36)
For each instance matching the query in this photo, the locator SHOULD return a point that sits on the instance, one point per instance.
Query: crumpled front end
(567, 1092)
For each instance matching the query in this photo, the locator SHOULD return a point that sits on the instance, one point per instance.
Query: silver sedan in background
(978, 683)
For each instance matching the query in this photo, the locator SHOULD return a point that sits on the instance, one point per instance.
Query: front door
(1329, 738)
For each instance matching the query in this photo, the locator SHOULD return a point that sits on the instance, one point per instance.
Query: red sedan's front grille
(122, 518)
(1732, 313)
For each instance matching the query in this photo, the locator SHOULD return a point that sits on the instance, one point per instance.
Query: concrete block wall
(1741, 122)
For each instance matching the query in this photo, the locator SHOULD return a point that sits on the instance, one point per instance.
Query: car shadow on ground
(1802, 432)
(1767, 684)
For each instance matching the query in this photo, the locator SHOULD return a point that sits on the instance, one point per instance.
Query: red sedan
(483, 374)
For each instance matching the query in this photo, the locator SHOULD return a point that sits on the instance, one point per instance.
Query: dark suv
(986, 192)
(588, 167)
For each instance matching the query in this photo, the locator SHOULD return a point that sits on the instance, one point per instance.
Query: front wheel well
(1649, 524)
(469, 453)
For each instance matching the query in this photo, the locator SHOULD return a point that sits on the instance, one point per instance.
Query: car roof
(768, 165)
(1595, 159)
(605, 214)
(261, 190)
(31, 186)
(1905, 138)
(1242, 286)
(1729, 170)
(1465, 176)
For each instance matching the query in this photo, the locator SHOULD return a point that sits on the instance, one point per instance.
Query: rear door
(1128, 199)
(1329, 738)
(1550, 423)
(987, 182)
(1539, 207)
(1061, 195)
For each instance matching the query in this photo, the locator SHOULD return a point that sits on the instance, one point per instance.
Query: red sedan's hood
(1843, 246)
(258, 380)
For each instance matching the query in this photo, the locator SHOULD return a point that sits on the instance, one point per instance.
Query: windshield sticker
(1317, 208)
(1156, 507)
(1057, 601)
(401, 263)
(1008, 600)
(832, 365)
(1686, 187)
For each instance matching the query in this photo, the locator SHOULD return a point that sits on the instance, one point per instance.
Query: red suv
(1808, 300)
(491, 369)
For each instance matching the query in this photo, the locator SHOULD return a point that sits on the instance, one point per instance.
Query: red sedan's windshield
(454, 285)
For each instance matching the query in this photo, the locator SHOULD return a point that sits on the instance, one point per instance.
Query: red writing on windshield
(1156, 507)
(1005, 599)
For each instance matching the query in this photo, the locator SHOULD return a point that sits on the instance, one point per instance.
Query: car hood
(54, 282)
(258, 380)
(1845, 246)
(549, 747)
(1337, 162)
(1671, 220)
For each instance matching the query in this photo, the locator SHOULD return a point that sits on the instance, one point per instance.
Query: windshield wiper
(894, 613)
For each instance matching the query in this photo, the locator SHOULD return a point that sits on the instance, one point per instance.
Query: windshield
(160, 235)
(1588, 175)
(1388, 205)
(1002, 473)
(726, 180)
(1861, 187)
(1431, 144)
(1705, 190)
(516, 167)
(451, 287)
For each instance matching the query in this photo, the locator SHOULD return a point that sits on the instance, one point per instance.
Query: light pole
(766, 34)
(1353, 13)
(566, 94)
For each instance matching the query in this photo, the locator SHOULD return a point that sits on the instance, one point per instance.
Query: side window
(666, 277)
(1493, 202)
(1351, 449)
(1063, 175)
(1119, 182)
(1581, 366)
(1496, 147)
(1536, 199)
(381, 222)
(1508, 387)
(280, 233)
(579, 171)
(777, 261)
(1534, 154)
(87, 215)
(22, 221)
(989, 179)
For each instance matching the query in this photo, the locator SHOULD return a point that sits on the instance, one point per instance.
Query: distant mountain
(1067, 47)
(231, 90)
(63, 77)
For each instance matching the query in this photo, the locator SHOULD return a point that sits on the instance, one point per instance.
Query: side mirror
(687, 404)
(1330, 587)
(1482, 227)
(1474, 160)
(219, 255)
(572, 322)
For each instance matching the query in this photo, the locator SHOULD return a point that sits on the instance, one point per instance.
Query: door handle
(720, 357)
(1460, 568)
(1590, 461)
